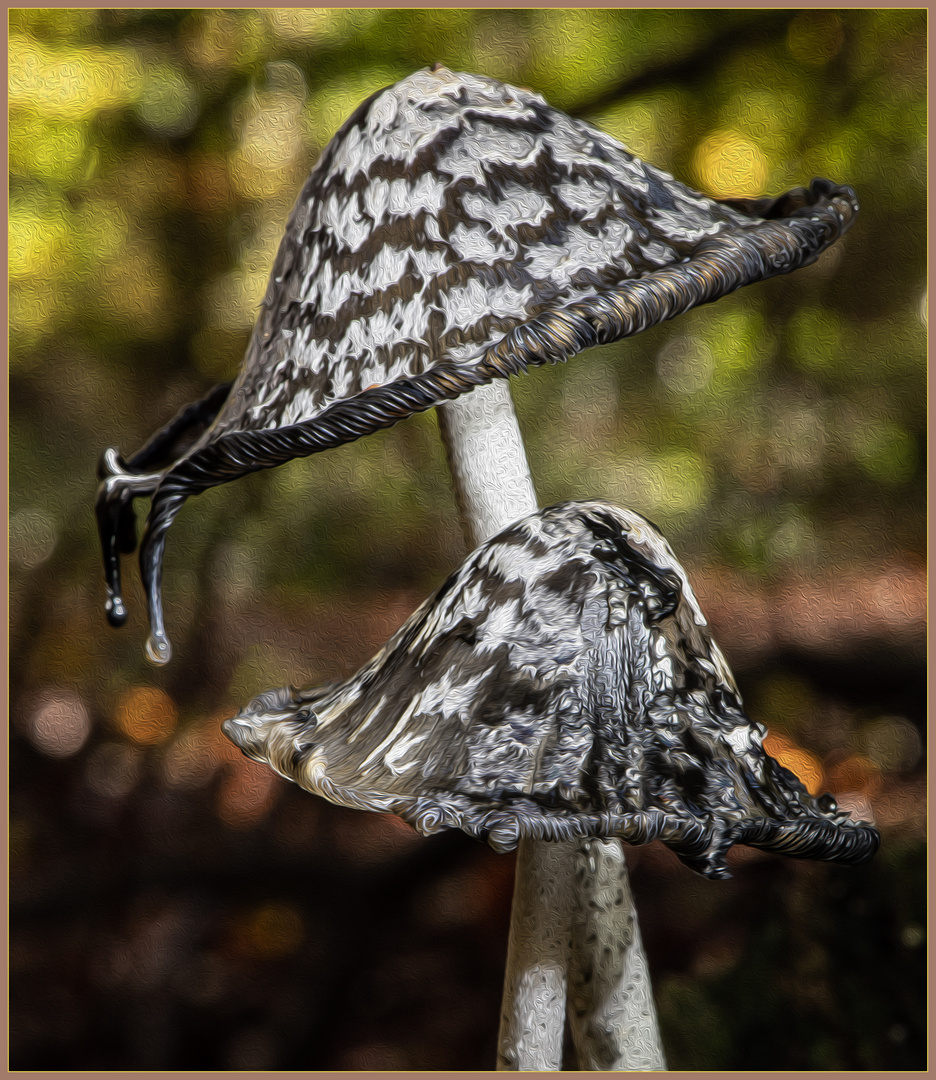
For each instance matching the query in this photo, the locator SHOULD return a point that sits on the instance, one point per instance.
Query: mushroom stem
(611, 1011)
(487, 460)
(533, 1008)
(573, 928)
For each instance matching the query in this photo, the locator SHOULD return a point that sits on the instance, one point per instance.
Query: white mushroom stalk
(574, 944)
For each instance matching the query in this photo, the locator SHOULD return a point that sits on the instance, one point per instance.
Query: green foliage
(154, 156)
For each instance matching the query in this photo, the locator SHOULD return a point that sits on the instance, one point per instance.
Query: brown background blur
(174, 906)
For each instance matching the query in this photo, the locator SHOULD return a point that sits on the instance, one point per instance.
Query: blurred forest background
(174, 906)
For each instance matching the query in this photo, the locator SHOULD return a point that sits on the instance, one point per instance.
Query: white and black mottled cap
(454, 231)
(561, 683)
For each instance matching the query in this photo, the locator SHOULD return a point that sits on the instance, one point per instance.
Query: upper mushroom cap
(455, 230)
(561, 683)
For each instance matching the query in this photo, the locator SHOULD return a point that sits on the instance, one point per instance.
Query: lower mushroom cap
(561, 683)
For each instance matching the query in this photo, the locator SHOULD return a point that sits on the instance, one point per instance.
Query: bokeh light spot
(892, 743)
(685, 365)
(815, 37)
(729, 165)
(804, 765)
(146, 715)
(33, 535)
(247, 794)
(912, 936)
(38, 232)
(73, 83)
(59, 724)
(168, 103)
(113, 770)
(855, 774)
(271, 930)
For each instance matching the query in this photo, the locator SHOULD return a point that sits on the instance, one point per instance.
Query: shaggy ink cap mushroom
(454, 231)
(562, 683)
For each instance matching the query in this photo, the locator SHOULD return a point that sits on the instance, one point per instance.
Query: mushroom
(456, 230)
(561, 683)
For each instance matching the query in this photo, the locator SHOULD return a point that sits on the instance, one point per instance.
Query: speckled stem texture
(611, 1011)
(573, 927)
